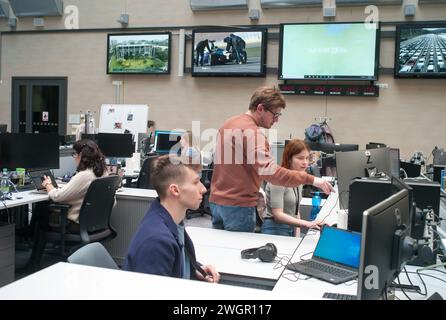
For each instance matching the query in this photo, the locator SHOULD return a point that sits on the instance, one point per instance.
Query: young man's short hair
(269, 97)
(169, 169)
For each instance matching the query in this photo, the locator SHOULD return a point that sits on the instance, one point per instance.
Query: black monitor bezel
(168, 33)
(399, 27)
(33, 150)
(377, 51)
(263, 49)
(376, 212)
(125, 147)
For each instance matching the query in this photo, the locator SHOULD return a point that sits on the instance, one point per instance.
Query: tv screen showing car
(229, 52)
(329, 51)
(420, 50)
(145, 53)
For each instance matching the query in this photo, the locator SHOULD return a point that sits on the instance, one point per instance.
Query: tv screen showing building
(229, 52)
(420, 51)
(138, 53)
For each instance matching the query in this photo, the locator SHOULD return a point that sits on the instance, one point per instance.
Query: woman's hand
(47, 183)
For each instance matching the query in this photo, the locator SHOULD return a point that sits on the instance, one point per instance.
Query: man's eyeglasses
(276, 115)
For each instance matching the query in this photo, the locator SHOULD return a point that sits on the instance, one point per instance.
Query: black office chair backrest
(144, 174)
(95, 212)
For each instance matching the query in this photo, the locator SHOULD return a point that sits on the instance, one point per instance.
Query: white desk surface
(23, 198)
(136, 192)
(28, 197)
(70, 281)
(223, 250)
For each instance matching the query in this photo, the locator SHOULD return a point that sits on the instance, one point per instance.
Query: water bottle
(4, 183)
(443, 179)
(316, 205)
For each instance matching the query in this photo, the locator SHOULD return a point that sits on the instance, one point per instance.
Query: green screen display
(329, 51)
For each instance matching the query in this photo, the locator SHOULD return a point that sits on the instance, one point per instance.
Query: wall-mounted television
(229, 52)
(420, 50)
(329, 51)
(138, 53)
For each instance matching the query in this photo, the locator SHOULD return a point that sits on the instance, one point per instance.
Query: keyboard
(338, 296)
(341, 273)
(323, 271)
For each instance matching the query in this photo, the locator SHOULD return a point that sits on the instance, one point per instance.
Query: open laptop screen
(339, 246)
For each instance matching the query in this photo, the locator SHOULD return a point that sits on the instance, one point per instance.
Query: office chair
(144, 174)
(204, 208)
(94, 216)
(93, 254)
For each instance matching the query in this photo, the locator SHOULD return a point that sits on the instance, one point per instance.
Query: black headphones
(266, 253)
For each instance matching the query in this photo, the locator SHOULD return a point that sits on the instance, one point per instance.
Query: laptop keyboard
(338, 296)
(340, 273)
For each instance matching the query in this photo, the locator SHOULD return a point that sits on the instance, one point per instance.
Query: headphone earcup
(274, 248)
(268, 252)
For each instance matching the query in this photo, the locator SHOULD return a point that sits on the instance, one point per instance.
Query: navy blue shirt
(156, 247)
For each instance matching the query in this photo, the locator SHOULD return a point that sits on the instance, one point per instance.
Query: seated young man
(161, 245)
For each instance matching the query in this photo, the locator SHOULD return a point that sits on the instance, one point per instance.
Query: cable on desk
(329, 213)
(305, 254)
(289, 260)
(401, 288)
(410, 281)
(297, 276)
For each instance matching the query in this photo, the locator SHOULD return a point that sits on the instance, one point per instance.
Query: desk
(7, 233)
(26, 197)
(70, 281)
(222, 249)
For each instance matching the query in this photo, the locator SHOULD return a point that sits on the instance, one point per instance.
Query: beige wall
(410, 114)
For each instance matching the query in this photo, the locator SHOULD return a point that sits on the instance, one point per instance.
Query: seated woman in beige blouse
(281, 215)
(90, 163)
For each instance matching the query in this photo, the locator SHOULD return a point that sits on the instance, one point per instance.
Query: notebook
(336, 257)
(36, 177)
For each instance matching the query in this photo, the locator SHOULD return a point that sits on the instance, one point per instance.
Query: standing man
(236, 45)
(161, 244)
(201, 46)
(243, 159)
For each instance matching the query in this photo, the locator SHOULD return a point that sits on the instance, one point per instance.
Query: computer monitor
(412, 170)
(356, 164)
(395, 162)
(426, 194)
(29, 150)
(366, 192)
(167, 141)
(439, 157)
(116, 145)
(90, 136)
(375, 145)
(383, 227)
(437, 172)
(3, 128)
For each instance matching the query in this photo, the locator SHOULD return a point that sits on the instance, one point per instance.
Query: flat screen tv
(420, 50)
(143, 53)
(229, 52)
(329, 51)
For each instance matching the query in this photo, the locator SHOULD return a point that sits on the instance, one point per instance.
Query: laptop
(37, 176)
(335, 259)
